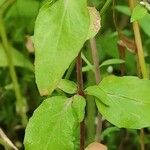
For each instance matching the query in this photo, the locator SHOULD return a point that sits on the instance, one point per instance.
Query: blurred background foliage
(19, 22)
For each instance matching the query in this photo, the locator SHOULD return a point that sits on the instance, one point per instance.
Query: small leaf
(129, 101)
(112, 62)
(94, 22)
(60, 31)
(18, 58)
(144, 23)
(138, 13)
(96, 146)
(53, 124)
(67, 86)
(98, 93)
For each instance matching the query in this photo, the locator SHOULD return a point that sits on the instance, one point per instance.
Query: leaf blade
(129, 101)
(61, 43)
(54, 122)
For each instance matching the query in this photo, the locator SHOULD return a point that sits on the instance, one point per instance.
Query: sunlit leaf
(128, 98)
(59, 36)
(53, 124)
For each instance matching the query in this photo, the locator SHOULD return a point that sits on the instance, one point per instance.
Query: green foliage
(60, 30)
(19, 60)
(127, 101)
(61, 42)
(138, 13)
(67, 86)
(54, 123)
(112, 62)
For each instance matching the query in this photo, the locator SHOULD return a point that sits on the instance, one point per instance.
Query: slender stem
(122, 53)
(19, 100)
(96, 60)
(105, 7)
(6, 142)
(142, 139)
(140, 52)
(138, 41)
(80, 92)
(87, 62)
(5, 5)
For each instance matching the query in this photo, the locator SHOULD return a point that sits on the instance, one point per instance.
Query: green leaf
(144, 23)
(111, 62)
(2, 2)
(98, 93)
(53, 124)
(123, 9)
(19, 59)
(60, 32)
(129, 101)
(94, 22)
(67, 86)
(138, 13)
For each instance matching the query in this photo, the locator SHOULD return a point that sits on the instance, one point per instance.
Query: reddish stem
(80, 92)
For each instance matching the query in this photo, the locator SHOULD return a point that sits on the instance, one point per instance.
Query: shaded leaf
(19, 59)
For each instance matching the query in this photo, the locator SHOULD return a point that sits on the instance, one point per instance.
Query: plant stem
(87, 62)
(140, 52)
(138, 42)
(6, 142)
(104, 8)
(142, 139)
(5, 5)
(80, 92)
(19, 100)
(96, 60)
(122, 53)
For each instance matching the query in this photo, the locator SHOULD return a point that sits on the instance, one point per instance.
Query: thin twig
(138, 42)
(80, 92)
(96, 60)
(6, 141)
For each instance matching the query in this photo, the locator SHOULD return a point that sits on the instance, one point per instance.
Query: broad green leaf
(129, 101)
(54, 123)
(60, 32)
(67, 86)
(138, 13)
(112, 62)
(94, 22)
(19, 59)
